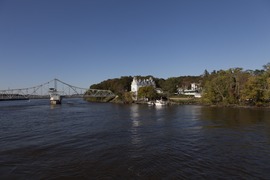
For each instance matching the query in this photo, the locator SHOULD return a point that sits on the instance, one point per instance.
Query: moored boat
(160, 103)
(151, 103)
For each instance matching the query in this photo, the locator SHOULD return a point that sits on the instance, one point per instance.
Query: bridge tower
(55, 84)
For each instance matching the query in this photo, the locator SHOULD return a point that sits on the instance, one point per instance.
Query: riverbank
(185, 101)
(180, 101)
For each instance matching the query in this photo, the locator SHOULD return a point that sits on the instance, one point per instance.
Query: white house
(138, 83)
(193, 91)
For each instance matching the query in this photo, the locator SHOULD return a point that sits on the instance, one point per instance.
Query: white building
(193, 91)
(138, 83)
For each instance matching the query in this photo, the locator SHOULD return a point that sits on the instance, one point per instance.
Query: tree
(205, 73)
(253, 89)
(147, 92)
(117, 85)
(127, 97)
(170, 85)
(224, 86)
(266, 67)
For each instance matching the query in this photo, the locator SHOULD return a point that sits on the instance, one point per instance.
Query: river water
(82, 140)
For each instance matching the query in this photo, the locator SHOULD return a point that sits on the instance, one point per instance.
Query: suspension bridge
(42, 91)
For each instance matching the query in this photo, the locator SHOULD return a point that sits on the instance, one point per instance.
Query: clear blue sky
(87, 41)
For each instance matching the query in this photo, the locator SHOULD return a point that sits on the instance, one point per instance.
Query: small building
(194, 90)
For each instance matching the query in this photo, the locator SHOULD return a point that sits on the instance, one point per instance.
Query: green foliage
(170, 85)
(224, 86)
(232, 86)
(147, 92)
(127, 97)
(117, 85)
(235, 86)
(253, 89)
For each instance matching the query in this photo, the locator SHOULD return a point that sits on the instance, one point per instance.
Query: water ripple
(80, 140)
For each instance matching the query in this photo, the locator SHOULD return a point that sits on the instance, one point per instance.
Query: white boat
(160, 103)
(151, 103)
(55, 97)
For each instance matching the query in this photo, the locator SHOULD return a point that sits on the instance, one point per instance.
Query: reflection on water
(135, 118)
(233, 117)
(81, 140)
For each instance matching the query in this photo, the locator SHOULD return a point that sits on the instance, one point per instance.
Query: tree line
(123, 84)
(225, 87)
(237, 86)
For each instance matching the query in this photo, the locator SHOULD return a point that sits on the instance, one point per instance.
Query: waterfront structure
(138, 83)
(194, 90)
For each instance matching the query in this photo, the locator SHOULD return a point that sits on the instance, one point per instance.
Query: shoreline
(183, 101)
